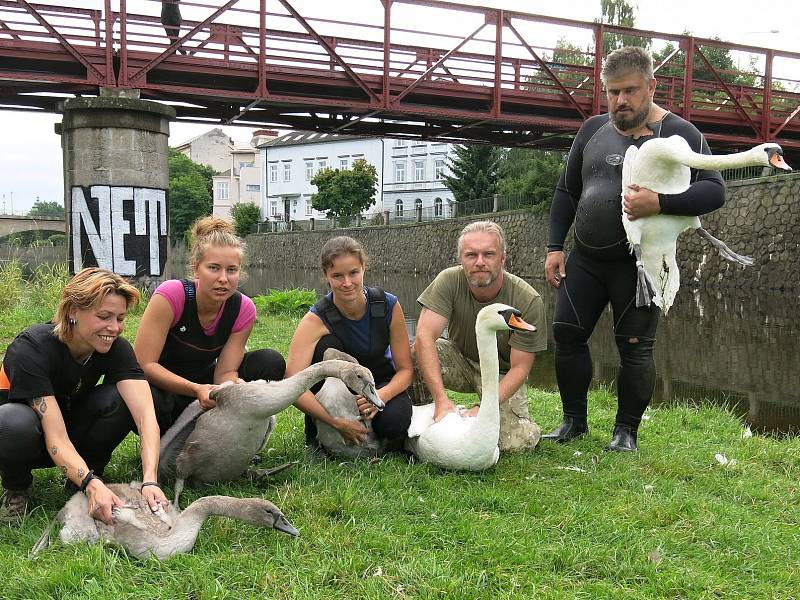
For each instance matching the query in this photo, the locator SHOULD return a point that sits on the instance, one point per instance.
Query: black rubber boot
(623, 439)
(571, 427)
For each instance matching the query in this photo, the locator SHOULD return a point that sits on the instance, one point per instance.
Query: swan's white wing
(421, 419)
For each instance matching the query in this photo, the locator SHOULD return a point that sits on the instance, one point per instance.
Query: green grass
(565, 521)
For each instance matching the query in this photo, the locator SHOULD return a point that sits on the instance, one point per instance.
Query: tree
(190, 195)
(531, 174)
(619, 12)
(345, 192)
(245, 215)
(474, 172)
(46, 209)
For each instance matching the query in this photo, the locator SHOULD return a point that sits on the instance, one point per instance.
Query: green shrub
(246, 216)
(295, 301)
(11, 283)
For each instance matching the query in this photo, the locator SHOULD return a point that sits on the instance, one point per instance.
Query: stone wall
(760, 219)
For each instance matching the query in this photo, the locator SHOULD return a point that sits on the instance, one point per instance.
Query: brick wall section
(760, 219)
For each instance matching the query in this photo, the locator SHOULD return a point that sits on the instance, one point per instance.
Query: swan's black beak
(776, 159)
(368, 391)
(282, 524)
(514, 319)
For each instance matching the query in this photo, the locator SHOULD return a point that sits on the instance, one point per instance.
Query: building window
(399, 172)
(438, 172)
(323, 164)
(222, 190)
(417, 204)
(287, 171)
(273, 208)
(253, 187)
(309, 170)
(344, 163)
(437, 207)
(398, 207)
(400, 143)
(309, 207)
(273, 173)
(419, 170)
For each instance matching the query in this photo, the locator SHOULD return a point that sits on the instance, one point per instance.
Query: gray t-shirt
(448, 295)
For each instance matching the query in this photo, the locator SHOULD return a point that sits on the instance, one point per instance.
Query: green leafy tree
(474, 172)
(719, 57)
(190, 195)
(46, 209)
(245, 216)
(530, 174)
(345, 192)
(621, 13)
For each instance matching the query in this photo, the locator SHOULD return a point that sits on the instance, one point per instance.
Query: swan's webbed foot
(264, 473)
(724, 251)
(645, 290)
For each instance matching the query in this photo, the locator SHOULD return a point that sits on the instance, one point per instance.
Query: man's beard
(628, 121)
(482, 279)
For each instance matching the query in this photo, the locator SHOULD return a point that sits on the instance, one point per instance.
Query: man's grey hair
(486, 227)
(627, 60)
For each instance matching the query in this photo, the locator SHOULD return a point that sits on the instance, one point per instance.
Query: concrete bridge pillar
(116, 181)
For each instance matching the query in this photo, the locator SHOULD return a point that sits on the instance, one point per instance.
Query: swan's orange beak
(516, 323)
(776, 160)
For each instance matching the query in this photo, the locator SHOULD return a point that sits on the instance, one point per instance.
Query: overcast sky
(30, 152)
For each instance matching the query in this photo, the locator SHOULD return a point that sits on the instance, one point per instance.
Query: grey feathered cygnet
(339, 401)
(169, 531)
(219, 444)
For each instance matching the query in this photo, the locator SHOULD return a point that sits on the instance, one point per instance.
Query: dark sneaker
(14, 504)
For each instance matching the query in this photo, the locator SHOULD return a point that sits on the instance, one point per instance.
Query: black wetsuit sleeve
(707, 190)
(570, 186)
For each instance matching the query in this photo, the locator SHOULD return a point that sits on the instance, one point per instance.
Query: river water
(734, 348)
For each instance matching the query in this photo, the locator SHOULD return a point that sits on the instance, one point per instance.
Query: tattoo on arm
(81, 473)
(40, 406)
(53, 450)
(63, 469)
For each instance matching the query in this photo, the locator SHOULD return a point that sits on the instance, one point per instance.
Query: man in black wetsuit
(601, 268)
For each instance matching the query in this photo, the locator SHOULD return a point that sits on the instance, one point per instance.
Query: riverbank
(565, 521)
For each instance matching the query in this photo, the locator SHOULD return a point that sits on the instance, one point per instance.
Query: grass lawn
(564, 521)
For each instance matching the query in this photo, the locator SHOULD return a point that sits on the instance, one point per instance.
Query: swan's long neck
(300, 382)
(189, 522)
(489, 412)
(752, 157)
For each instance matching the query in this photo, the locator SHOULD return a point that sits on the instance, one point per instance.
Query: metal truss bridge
(403, 68)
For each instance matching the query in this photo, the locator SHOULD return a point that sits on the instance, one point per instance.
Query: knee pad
(267, 364)
(634, 352)
(566, 334)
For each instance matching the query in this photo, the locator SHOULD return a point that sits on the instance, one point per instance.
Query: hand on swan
(202, 394)
(353, 432)
(444, 406)
(640, 202)
(101, 501)
(366, 409)
(554, 268)
(154, 497)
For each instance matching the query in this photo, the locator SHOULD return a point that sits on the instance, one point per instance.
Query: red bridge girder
(461, 73)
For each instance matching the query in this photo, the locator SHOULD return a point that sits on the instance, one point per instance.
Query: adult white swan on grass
(663, 166)
(461, 442)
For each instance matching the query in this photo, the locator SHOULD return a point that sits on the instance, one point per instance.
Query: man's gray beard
(635, 120)
(480, 283)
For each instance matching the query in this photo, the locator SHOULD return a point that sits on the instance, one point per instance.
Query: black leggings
(266, 364)
(95, 425)
(389, 424)
(589, 286)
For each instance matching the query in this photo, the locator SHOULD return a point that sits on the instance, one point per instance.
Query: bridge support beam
(116, 182)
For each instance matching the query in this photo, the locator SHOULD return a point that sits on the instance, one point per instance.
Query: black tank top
(375, 359)
(188, 351)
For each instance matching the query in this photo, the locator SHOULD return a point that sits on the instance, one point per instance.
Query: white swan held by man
(663, 166)
(461, 442)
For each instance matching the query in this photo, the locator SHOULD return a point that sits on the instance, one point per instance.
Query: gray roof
(299, 138)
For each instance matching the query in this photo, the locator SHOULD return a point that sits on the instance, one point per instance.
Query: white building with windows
(410, 173)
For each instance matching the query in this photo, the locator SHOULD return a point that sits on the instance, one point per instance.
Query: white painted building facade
(409, 173)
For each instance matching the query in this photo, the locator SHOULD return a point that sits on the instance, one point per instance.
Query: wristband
(146, 483)
(85, 481)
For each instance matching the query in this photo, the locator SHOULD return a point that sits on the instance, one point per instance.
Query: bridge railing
(408, 67)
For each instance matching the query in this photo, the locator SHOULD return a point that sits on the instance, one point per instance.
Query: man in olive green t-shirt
(453, 300)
